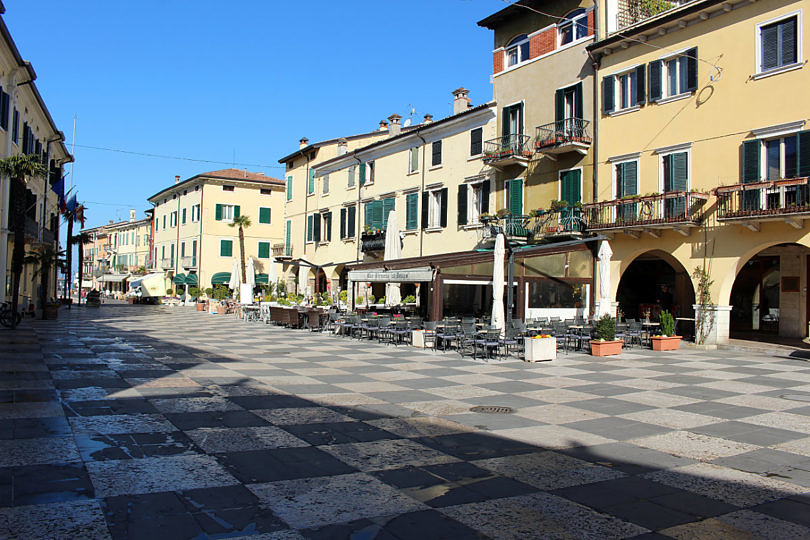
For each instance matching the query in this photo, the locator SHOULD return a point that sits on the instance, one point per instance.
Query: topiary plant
(343, 296)
(209, 292)
(221, 292)
(372, 299)
(410, 299)
(169, 292)
(667, 323)
(606, 328)
(359, 300)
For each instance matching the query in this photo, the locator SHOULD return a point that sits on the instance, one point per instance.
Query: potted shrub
(605, 343)
(667, 341)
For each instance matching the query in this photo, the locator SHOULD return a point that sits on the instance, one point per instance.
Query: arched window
(517, 50)
(573, 26)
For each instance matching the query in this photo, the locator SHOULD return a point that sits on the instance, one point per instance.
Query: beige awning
(114, 278)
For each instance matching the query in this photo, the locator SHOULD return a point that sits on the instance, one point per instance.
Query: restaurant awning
(179, 279)
(221, 278)
(114, 278)
(192, 280)
(262, 278)
(407, 275)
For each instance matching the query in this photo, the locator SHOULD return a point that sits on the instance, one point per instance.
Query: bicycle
(6, 316)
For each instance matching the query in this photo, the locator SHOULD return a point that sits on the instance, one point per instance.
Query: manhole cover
(492, 409)
(796, 397)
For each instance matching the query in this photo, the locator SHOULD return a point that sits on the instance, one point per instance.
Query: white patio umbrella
(393, 250)
(246, 288)
(272, 274)
(497, 320)
(235, 276)
(250, 273)
(605, 253)
(303, 280)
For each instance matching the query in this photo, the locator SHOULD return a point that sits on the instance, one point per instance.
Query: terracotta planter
(221, 310)
(200, 306)
(666, 343)
(605, 348)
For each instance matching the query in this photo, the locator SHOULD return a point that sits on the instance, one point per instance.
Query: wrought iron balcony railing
(280, 250)
(188, 262)
(763, 200)
(508, 147)
(563, 136)
(372, 241)
(166, 263)
(659, 210)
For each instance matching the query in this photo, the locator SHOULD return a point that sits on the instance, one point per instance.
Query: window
(4, 109)
(512, 122)
(289, 187)
(673, 76)
(326, 227)
(183, 218)
(266, 191)
(350, 180)
(436, 153)
(311, 182)
(675, 177)
(348, 218)
(778, 44)
(193, 248)
(173, 219)
(265, 215)
(624, 91)
(376, 213)
(325, 184)
(514, 196)
(573, 26)
(195, 213)
(227, 188)
(287, 243)
(182, 249)
(625, 184)
(226, 248)
(413, 160)
(780, 158)
(411, 211)
(476, 141)
(15, 126)
(786, 156)
(517, 50)
(367, 173)
(310, 225)
(473, 200)
(434, 209)
(164, 222)
(264, 250)
(226, 212)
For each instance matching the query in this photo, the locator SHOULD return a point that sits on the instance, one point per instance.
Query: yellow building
(194, 243)
(26, 127)
(703, 160)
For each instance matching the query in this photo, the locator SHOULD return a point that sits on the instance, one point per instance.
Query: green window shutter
(570, 187)
(654, 71)
(311, 182)
(559, 105)
(641, 85)
(680, 171)
(412, 209)
(362, 173)
(578, 110)
(264, 215)
(377, 214)
(343, 223)
(388, 205)
(462, 204)
(225, 248)
(630, 180)
(485, 197)
(264, 250)
(287, 246)
(751, 161)
(289, 187)
(436, 153)
(236, 211)
(515, 196)
(368, 214)
(414, 154)
(803, 153)
(691, 69)
(217, 215)
(351, 219)
(425, 205)
(443, 216)
(608, 95)
(309, 228)
(316, 227)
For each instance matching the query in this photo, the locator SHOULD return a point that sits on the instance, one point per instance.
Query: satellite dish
(406, 123)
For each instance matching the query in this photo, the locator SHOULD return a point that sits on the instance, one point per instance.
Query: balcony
(166, 264)
(676, 210)
(372, 241)
(563, 136)
(188, 263)
(508, 150)
(632, 12)
(749, 204)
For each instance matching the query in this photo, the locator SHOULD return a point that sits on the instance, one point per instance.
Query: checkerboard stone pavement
(158, 422)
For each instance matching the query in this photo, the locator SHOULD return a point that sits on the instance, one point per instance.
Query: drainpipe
(595, 144)
(424, 166)
(357, 216)
(199, 244)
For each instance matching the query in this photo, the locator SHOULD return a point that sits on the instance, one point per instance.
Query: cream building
(26, 127)
(704, 158)
(193, 242)
(130, 243)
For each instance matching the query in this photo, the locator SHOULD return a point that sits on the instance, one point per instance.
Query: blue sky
(237, 81)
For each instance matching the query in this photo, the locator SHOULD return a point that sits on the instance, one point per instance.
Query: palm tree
(243, 222)
(17, 168)
(46, 257)
(80, 240)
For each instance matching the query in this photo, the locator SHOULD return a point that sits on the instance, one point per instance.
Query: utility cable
(180, 158)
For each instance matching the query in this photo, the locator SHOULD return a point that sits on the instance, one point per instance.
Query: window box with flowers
(540, 348)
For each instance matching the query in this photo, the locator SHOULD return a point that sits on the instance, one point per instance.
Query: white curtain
(393, 250)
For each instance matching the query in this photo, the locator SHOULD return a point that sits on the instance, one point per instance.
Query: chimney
(303, 142)
(395, 127)
(383, 125)
(343, 146)
(177, 179)
(428, 118)
(111, 222)
(132, 215)
(460, 100)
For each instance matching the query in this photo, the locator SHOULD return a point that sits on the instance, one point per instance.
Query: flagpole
(73, 151)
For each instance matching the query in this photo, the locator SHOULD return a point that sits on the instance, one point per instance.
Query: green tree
(45, 258)
(243, 222)
(17, 168)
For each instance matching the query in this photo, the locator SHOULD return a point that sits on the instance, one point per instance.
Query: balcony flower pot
(605, 348)
(666, 343)
(201, 306)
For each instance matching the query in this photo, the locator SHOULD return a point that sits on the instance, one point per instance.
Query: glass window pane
(683, 71)
(554, 294)
(545, 266)
(772, 157)
(580, 264)
(672, 77)
(790, 157)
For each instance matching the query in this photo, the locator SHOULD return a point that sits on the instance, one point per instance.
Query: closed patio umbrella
(497, 319)
(246, 289)
(233, 284)
(272, 274)
(393, 250)
(303, 280)
(605, 253)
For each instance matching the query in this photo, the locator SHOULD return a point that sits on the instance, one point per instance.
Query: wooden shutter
(485, 196)
(217, 215)
(570, 186)
(769, 38)
(578, 110)
(311, 182)
(630, 179)
(414, 157)
(316, 227)
(287, 246)
(351, 218)
(343, 223)
(264, 250)
(411, 211)
(236, 211)
(387, 205)
(559, 105)
(641, 85)
(377, 214)
(443, 197)
(680, 171)
(368, 215)
(225, 248)
(264, 215)
(436, 151)
(608, 95)
(289, 187)
(515, 195)
(362, 173)
(476, 141)
(788, 45)
(462, 204)
(691, 70)
(803, 153)
(751, 161)
(654, 85)
(309, 228)
(425, 205)
(327, 226)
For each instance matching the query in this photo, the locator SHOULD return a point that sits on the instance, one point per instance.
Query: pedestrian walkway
(157, 422)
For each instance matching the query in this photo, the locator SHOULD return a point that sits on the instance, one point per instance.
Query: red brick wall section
(497, 62)
(543, 42)
(590, 23)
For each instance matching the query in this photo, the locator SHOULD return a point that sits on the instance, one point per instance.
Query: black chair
(446, 335)
(430, 333)
(489, 342)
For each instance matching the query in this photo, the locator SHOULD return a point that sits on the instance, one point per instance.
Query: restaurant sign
(408, 275)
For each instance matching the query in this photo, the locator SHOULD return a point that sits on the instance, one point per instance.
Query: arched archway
(654, 281)
(321, 281)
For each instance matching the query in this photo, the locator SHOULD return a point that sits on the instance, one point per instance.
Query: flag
(70, 206)
(59, 189)
(80, 214)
